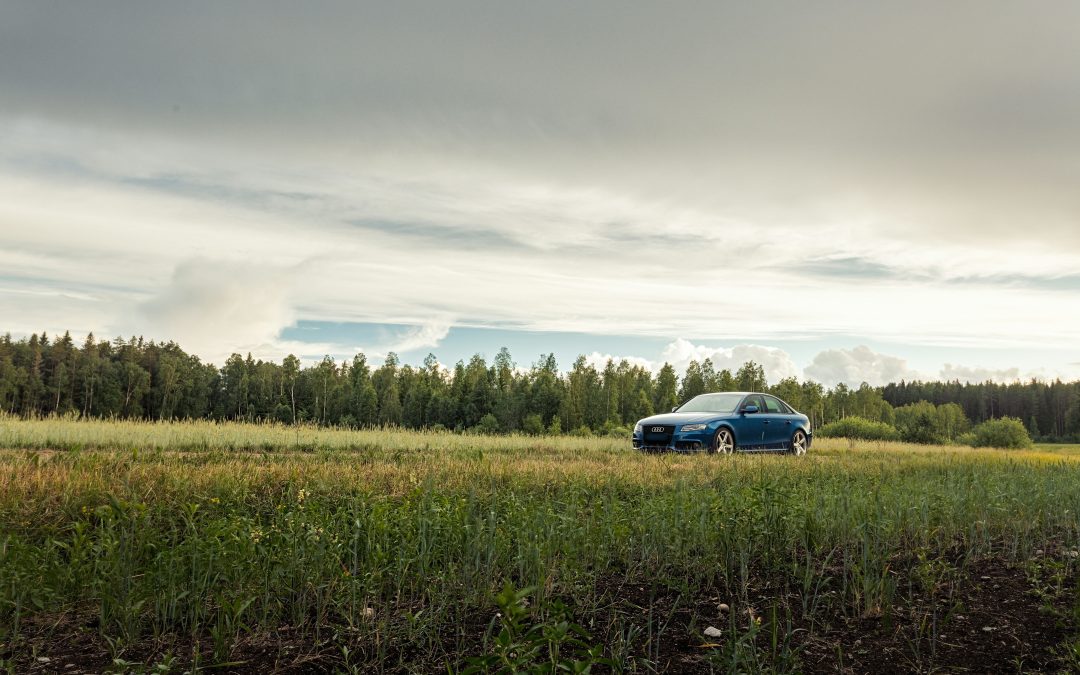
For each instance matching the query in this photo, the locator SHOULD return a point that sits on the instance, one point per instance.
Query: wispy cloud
(426, 336)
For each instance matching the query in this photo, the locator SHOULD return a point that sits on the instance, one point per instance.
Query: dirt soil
(990, 620)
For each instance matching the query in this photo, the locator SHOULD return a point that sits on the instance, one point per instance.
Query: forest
(143, 379)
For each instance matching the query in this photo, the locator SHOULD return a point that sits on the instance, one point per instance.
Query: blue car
(725, 423)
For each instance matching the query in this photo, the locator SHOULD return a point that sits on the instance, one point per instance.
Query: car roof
(740, 393)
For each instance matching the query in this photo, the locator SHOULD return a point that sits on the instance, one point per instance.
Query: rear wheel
(723, 442)
(798, 443)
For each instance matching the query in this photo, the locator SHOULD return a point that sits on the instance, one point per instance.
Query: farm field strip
(384, 549)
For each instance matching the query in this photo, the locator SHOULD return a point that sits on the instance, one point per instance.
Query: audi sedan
(725, 423)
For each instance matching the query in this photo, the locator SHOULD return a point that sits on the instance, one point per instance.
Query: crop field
(141, 547)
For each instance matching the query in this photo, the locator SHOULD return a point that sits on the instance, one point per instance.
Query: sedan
(725, 423)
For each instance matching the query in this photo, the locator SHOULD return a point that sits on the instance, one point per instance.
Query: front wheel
(798, 443)
(723, 442)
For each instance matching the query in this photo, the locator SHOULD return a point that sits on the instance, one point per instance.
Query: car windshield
(721, 403)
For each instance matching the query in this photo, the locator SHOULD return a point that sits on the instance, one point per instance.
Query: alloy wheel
(798, 443)
(724, 443)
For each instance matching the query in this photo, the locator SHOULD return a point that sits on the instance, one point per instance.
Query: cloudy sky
(844, 191)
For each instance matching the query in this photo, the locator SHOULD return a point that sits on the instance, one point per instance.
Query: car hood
(682, 418)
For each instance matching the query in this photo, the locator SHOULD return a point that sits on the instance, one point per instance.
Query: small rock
(713, 632)
(724, 607)
(984, 578)
(369, 612)
(1074, 554)
(1039, 552)
(988, 629)
(43, 659)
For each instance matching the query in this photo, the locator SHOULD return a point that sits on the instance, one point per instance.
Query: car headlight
(637, 428)
(692, 427)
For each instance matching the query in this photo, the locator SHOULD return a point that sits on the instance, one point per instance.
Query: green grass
(387, 547)
(1063, 448)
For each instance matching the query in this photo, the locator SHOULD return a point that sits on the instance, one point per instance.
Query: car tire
(798, 443)
(723, 442)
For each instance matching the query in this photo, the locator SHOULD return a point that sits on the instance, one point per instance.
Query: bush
(533, 425)
(1006, 432)
(614, 429)
(283, 414)
(488, 424)
(919, 423)
(859, 428)
(924, 422)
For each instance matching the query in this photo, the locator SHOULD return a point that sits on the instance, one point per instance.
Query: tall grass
(389, 542)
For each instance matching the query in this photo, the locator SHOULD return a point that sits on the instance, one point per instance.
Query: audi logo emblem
(659, 430)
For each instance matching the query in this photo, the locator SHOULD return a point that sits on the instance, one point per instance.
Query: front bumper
(690, 441)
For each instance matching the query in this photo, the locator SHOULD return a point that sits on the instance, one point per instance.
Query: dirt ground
(993, 619)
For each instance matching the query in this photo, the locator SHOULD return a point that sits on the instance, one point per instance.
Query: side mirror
(750, 409)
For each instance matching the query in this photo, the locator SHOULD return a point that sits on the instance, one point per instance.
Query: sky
(841, 191)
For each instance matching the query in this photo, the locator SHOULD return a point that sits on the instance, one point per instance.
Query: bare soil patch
(990, 619)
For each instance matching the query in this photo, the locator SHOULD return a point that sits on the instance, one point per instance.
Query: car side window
(754, 400)
(772, 405)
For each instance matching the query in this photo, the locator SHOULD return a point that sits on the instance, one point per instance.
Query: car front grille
(657, 434)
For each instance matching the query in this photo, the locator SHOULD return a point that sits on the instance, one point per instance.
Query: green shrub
(488, 424)
(283, 414)
(924, 422)
(614, 429)
(533, 425)
(582, 431)
(919, 423)
(1006, 432)
(859, 428)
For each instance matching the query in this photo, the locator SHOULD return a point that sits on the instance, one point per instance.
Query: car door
(776, 421)
(750, 427)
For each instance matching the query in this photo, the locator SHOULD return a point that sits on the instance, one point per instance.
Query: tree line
(137, 378)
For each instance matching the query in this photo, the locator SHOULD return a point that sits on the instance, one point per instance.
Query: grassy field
(172, 547)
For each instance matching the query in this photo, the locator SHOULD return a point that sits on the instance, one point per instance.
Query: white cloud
(776, 362)
(216, 307)
(858, 365)
(952, 372)
(599, 361)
